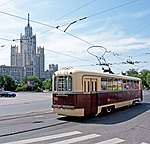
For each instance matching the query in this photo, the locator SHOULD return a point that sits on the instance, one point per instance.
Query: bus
(86, 93)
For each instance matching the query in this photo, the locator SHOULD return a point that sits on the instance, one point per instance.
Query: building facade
(52, 69)
(15, 72)
(30, 57)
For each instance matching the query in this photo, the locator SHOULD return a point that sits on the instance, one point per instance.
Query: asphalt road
(25, 102)
(126, 125)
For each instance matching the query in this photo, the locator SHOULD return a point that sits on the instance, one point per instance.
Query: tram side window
(103, 84)
(120, 84)
(84, 86)
(95, 85)
(92, 86)
(128, 84)
(124, 84)
(134, 85)
(109, 84)
(137, 84)
(88, 86)
(115, 84)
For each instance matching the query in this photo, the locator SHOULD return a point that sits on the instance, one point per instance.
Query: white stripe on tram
(112, 141)
(27, 141)
(77, 139)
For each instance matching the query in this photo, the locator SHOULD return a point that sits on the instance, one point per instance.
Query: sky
(88, 34)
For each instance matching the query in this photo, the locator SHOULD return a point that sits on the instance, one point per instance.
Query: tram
(85, 93)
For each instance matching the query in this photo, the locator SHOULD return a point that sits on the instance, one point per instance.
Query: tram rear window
(63, 83)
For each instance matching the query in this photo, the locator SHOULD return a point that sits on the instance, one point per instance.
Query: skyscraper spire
(28, 19)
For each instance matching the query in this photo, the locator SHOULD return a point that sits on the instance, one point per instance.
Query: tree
(148, 79)
(47, 84)
(132, 72)
(145, 75)
(7, 83)
(32, 83)
(2, 82)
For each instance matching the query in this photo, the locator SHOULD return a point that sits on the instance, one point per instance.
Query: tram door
(90, 88)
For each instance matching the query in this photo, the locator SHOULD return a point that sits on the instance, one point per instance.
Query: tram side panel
(118, 98)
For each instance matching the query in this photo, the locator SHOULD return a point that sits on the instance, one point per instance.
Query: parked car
(7, 94)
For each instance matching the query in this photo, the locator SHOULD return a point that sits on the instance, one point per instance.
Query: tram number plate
(56, 98)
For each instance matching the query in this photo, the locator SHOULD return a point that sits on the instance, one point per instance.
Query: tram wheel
(109, 109)
(134, 103)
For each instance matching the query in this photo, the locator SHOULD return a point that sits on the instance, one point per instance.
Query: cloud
(140, 14)
(104, 32)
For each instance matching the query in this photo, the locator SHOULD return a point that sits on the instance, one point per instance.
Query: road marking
(112, 141)
(27, 141)
(77, 139)
(144, 143)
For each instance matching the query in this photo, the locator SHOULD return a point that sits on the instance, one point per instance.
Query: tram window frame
(92, 86)
(63, 83)
(69, 83)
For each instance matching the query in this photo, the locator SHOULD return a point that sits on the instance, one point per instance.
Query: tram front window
(63, 83)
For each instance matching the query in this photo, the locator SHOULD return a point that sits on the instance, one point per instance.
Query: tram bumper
(67, 110)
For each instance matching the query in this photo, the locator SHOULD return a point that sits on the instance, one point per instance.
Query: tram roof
(70, 71)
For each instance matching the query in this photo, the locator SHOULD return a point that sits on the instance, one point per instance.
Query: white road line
(144, 143)
(27, 141)
(77, 139)
(112, 141)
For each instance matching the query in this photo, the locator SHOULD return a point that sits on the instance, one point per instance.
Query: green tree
(32, 83)
(2, 82)
(47, 84)
(132, 72)
(148, 79)
(7, 82)
(145, 75)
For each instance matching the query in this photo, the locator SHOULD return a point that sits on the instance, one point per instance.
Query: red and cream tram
(85, 93)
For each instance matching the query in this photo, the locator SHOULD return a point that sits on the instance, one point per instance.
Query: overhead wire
(113, 8)
(84, 5)
(2, 6)
(78, 58)
(136, 33)
(107, 10)
(74, 22)
(86, 17)
(40, 23)
(37, 22)
(5, 3)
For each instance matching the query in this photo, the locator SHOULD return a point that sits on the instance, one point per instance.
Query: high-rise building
(53, 67)
(28, 56)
